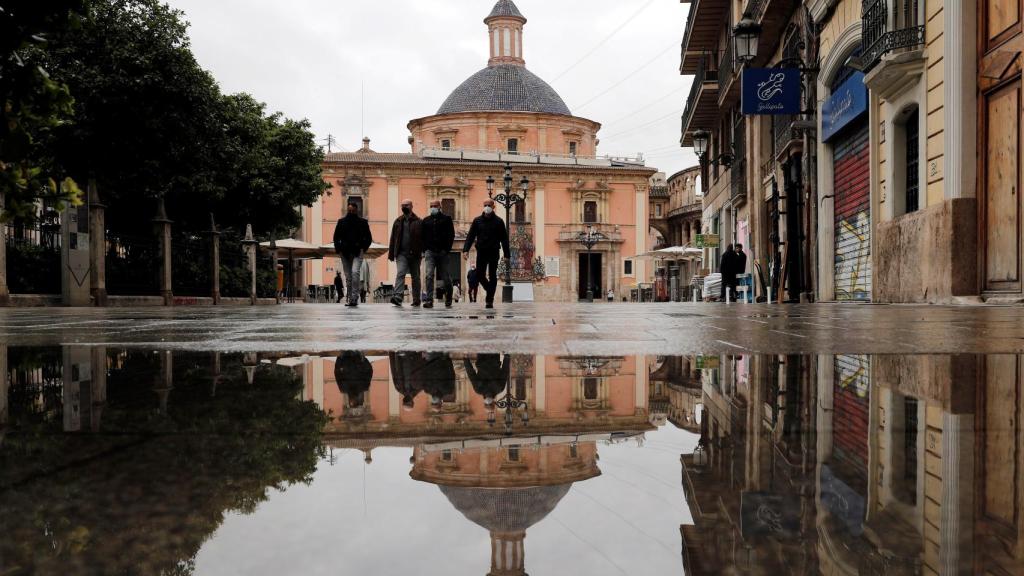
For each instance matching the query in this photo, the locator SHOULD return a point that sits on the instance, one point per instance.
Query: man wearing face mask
(406, 250)
(490, 235)
(351, 240)
(438, 237)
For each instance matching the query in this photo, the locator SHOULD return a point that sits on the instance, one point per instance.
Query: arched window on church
(590, 212)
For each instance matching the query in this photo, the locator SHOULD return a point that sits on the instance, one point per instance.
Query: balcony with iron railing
(773, 16)
(703, 26)
(738, 170)
(881, 34)
(702, 102)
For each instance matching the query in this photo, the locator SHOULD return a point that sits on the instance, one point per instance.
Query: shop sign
(771, 91)
(708, 241)
(846, 104)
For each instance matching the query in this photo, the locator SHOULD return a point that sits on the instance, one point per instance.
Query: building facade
(503, 114)
(898, 180)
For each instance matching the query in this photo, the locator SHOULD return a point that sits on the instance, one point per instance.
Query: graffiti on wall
(853, 258)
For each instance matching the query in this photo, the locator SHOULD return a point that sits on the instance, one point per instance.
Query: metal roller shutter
(852, 168)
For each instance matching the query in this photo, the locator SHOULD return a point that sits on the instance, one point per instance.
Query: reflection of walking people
(438, 377)
(438, 237)
(352, 239)
(407, 373)
(474, 284)
(490, 376)
(489, 234)
(406, 250)
(353, 373)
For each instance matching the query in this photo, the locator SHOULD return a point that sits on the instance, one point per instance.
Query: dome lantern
(505, 34)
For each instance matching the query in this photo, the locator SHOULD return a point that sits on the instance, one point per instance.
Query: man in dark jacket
(406, 250)
(353, 373)
(740, 267)
(727, 268)
(352, 239)
(339, 287)
(490, 235)
(438, 237)
(490, 376)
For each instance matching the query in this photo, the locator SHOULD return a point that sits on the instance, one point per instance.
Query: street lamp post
(510, 404)
(508, 198)
(589, 239)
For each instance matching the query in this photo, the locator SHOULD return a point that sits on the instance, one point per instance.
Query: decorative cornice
(438, 182)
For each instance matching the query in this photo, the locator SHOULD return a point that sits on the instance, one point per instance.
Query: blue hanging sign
(771, 91)
(846, 104)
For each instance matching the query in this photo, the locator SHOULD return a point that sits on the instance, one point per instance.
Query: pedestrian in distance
(489, 234)
(339, 287)
(352, 238)
(727, 268)
(406, 251)
(740, 267)
(438, 238)
(473, 282)
(611, 295)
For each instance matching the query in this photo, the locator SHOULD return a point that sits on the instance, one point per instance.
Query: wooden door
(1000, 209)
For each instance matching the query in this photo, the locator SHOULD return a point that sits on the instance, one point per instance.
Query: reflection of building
(607, 393)
(507, 487)
(503, 113)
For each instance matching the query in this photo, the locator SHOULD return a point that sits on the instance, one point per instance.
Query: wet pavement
(135, 460)
(573, 329)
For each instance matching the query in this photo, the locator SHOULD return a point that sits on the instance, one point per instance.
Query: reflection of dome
(505, 87)
(505, 510)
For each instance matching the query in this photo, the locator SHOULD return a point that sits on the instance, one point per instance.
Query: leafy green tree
(145, 120)
(32, 104)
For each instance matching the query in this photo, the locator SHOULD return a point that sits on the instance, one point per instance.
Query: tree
(269, 166)
(31, 105)
(145, 119)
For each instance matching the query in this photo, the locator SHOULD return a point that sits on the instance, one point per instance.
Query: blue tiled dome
(505, 8)
(505, 88)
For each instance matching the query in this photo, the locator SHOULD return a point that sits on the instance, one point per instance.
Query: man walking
(438, 237)
(474, 284)
(406, 250)
(740, 267)
(727, 268)
(490, 235)
(339, 287)
(352, 239)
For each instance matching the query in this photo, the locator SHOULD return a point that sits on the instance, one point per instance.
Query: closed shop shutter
(852, 168)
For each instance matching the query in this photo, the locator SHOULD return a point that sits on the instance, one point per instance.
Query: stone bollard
(214, 261)
(250, 244)
(97, 246)
(162, 227)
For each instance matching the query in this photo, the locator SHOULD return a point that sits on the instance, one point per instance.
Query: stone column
(162, 227)
(5, 294)
(250, 245)
(98, 363)
(394, 209)
(97, 246)
(164, 381)
(540, 391)
(214, 261)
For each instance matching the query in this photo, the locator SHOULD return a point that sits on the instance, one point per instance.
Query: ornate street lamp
(701, 139)
(745, 36)
(508, 198)
(589, 239)
(511, 405)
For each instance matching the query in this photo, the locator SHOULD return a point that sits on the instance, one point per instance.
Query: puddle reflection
(143, 462)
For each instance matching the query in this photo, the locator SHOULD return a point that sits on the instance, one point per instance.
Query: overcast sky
(613, 61)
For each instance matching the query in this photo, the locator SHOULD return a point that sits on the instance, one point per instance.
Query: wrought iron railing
(755, 8)
(782, 127)
(738, 170)
(702, 75)
(725, 68)
(875, 33)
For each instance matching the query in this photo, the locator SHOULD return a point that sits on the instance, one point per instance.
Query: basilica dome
(505, 87)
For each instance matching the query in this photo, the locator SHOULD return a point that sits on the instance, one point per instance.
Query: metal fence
(33, 254)
(133, 265)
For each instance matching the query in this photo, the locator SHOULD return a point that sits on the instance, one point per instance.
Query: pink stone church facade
(503, 114)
